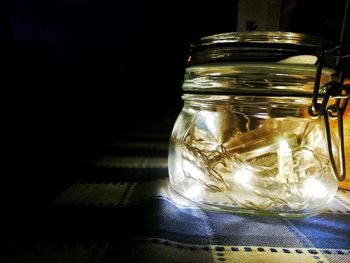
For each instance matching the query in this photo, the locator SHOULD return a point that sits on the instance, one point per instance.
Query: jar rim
(257, 46)
(258, 62)
(267, 37)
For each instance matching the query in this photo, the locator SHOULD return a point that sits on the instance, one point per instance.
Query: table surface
(118, 208)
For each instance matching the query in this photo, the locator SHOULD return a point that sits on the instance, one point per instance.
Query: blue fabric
(252, 231)
(130, 194)
(162, 219)
(326, 230)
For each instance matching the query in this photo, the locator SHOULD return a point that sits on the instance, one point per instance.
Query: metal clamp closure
(335, 111)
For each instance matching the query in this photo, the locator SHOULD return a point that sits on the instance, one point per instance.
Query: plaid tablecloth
(119, 209)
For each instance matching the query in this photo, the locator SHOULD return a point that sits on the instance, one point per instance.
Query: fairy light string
(283, 174)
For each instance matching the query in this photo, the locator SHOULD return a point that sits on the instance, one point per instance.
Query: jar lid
(257, 46)
(276, 37)
(257, 62)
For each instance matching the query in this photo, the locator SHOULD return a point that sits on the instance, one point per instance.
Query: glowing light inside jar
(193, 191)
(285, 163)
(257, 169)
(243, 177)
(314, 188)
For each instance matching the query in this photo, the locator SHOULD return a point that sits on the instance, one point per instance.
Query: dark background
(82, 71)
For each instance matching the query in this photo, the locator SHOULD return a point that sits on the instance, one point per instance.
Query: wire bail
(333, 89)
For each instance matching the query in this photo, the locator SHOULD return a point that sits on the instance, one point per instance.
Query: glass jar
(244, 140)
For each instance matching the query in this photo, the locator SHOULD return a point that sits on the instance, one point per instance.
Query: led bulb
(285, 163)
(243, 177)
(193, 191)
(283, 147)
(314, 188)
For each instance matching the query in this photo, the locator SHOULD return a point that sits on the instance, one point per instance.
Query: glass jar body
(251, 154)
